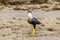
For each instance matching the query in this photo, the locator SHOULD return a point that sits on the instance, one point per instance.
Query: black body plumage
(34, 22)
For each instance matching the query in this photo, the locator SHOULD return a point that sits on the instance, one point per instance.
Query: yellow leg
(33, 32)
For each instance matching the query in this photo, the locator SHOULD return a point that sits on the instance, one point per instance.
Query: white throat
(30, 15)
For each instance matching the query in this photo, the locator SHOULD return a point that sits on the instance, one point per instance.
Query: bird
(33, 21)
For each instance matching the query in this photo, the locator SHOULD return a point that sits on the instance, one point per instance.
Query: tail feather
(39, 22)
(42, 25)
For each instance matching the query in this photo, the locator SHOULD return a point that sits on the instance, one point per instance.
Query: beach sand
(14, 25)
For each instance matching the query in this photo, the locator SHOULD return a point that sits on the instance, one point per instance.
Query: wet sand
(14, 26)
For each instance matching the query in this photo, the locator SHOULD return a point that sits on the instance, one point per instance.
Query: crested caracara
(32, 20)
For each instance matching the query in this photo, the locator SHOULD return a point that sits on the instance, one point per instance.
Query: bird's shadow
(28, 34)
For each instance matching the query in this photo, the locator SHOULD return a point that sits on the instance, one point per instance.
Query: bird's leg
(33, 30)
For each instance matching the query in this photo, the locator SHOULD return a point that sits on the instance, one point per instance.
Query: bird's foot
(33, 32)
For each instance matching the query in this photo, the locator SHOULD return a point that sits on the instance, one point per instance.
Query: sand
(14, 25)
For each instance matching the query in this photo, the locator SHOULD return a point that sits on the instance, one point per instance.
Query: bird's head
(29, 14)
(28, 11)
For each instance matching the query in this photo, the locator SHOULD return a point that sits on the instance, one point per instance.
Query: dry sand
(14, 26)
